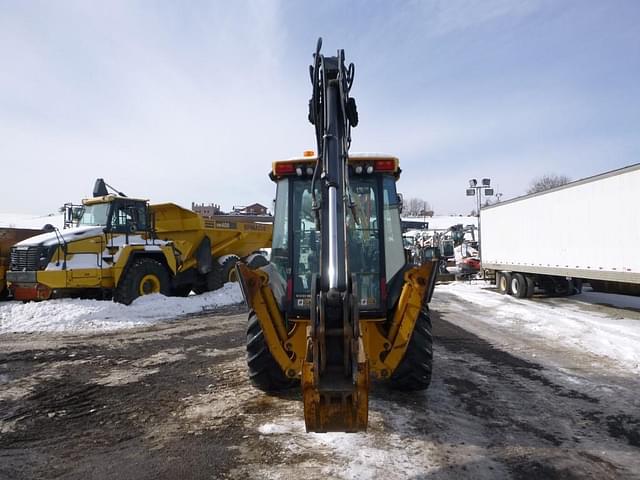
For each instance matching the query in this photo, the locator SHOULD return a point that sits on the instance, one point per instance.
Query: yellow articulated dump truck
(121, 248)
(9, 237)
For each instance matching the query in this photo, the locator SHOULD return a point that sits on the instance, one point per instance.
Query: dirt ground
(174, 401)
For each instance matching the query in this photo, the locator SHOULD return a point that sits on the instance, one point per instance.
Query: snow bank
(573, 322)
(76, 315)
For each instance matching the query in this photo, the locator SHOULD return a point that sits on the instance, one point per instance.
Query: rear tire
(504, 283)
(181, 291)
(575, 286)
(144, 276)
(518, 285)
(257, 260)
(531, 285)
(228, 269)
(264, 371)
(414, 370)
(212, 281)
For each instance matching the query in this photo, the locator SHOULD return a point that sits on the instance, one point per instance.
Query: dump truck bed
(187, 229)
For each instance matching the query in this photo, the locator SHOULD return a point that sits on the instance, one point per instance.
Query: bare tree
(546, 182)
(414, 207)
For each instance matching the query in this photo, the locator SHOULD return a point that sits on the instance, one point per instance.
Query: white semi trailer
(587, 230)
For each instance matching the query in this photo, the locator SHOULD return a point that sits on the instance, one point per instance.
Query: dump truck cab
(116, 214)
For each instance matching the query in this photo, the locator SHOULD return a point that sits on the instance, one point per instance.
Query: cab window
(129, 217)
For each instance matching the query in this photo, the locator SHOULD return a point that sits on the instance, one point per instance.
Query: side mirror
(68, 215)
(400, 200)
(72, 214)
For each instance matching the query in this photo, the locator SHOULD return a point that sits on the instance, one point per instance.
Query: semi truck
(584, 231)
(9, 237)
(121, 248)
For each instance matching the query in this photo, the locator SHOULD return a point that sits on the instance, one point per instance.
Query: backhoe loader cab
(374, 238)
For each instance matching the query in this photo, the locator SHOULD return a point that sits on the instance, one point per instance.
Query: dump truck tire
(142, 277)
(264, 371)
(414, 371)
(257, 260)
(228, 269)
(181, 291)
(212, 281)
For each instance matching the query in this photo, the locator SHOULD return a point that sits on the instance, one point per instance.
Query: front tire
(504, 283)
(414, 370)
(144, 276)
(264, 371)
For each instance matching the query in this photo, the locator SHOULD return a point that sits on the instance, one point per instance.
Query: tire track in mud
(541, 428)
(174, 401)
(111, 408)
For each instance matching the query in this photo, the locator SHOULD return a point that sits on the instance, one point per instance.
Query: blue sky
(191, 101)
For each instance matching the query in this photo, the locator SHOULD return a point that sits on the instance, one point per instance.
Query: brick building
(206, 210)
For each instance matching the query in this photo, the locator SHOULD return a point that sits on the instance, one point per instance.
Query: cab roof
(109, 198)
(380, 162)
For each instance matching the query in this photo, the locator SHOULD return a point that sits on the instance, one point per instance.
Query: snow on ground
(77, 315)
(570, 321)
(389, 449)
(25, 220)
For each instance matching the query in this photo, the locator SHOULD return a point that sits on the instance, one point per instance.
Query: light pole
(477, 189)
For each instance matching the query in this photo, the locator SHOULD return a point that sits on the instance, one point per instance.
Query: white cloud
(450, 16)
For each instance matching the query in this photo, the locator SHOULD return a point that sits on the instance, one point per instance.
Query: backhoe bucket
(334, 402)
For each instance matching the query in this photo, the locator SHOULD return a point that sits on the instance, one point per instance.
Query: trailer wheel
(531, 285)
(228, 269)
(504, 282)
(518, 285)
(144, 276)
(264, 371)
(414, 370)
(598, 285)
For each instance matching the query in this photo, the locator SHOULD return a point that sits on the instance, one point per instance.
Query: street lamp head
(471, 192)
(488, 192)
(486, 182)
(473, 182)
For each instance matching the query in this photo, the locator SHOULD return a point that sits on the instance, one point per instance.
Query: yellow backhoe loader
(338, 303)
(121, 247)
